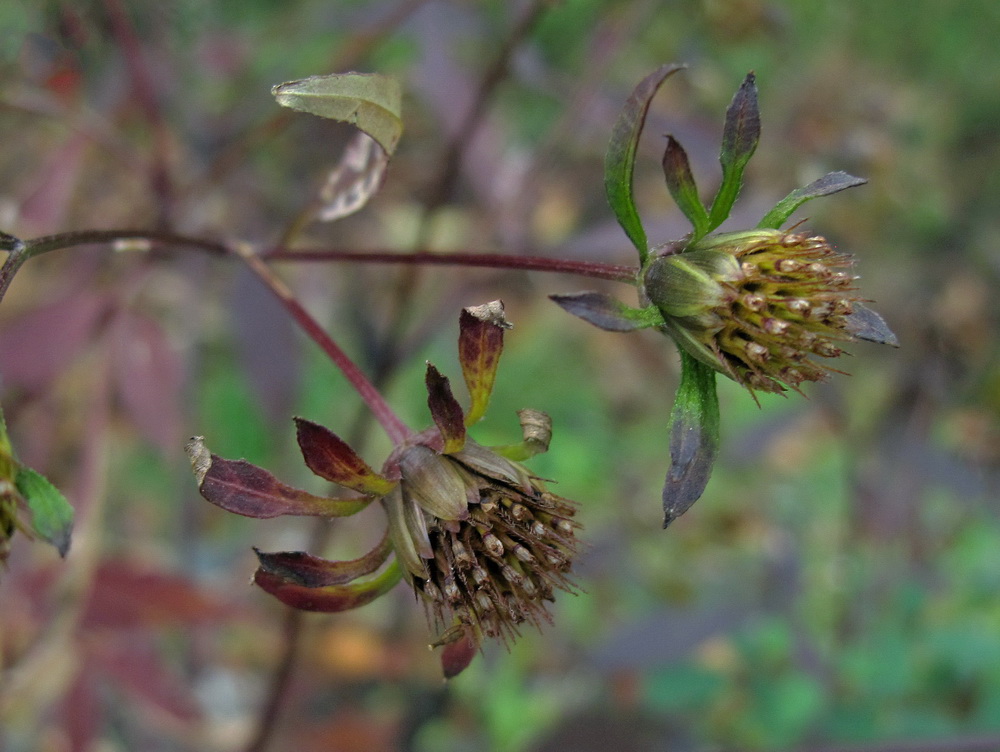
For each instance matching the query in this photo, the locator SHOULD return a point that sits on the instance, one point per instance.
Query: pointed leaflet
(694, 438)
(51, 514)
(445, 410)
(480, 342)
(680, 182)
(303, 569)
(329, 456)
(242, 488)
(331, 598)
(832, 182)
(739, 141)
(371, 102)
(619, 162)
(607, 313)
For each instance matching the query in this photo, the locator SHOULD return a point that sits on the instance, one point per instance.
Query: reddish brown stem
(593, 269)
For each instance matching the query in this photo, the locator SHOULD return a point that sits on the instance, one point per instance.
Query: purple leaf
(329, 456)
(445, 410)
(310, 571)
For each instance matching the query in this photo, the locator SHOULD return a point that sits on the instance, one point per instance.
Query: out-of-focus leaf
(55, 186)
(371, 102)
(355, 179)
(694, 438)
(866, 324)
(149, 375)
(311, 571)
(832, 182)
(445, 410)
(37, 346)
(140, 670)
(240, 487)
(619, 162)
(51, 514)
(329, 456)
(680, 182)
(332, 598)
(739, 142)
(607, 313)
(480, 343)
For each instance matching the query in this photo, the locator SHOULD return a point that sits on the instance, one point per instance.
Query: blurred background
(835, 588)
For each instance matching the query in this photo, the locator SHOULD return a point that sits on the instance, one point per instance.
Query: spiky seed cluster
(496, 565)
(758, 306)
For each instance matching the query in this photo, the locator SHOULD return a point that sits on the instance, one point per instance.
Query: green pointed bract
(51, 514)
(680, 182)
(694, 438)
(739, 141)
(480, 343)
(619, 162)
(832, 182)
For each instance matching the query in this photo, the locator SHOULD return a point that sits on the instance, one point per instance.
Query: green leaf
(832, 182)
(680, 182)
(51, 514)
(739, 141)
(694, 438)
(607, 313)
(619, 162)
(369, 101)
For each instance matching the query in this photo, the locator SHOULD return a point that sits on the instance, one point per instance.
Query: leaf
(458, 651)
(480, 343)
(329, 456)
(694, 438)
(619, 162)
(739, 141)
(832, 182)
(51, 514)
(242, 488)
(311, 571)
(371, 102)
(680, 183)
(866, 324)
(435, 482)
(607, 313)
(355, 179)
(332, 598)
(445, 410)
(536, 428)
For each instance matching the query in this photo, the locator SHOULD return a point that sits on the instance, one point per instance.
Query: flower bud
(758, 306)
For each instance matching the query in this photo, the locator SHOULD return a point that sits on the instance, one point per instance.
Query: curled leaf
(445, 410)
(240, 487)
(328, 599)
(371, 102)
(694, 438)
(619, 162)
(355, 179)
(330, 457)
(480, 343)
(607, 313)
(312, 572)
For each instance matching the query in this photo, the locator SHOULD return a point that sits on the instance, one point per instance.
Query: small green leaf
(619, 162)
(606, 313)
(739, 141)
(369, 101)
(51, 514)
(832, 182)
(680, 182)
(694, 438)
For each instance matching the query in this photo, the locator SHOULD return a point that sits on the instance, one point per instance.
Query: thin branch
(593, 269)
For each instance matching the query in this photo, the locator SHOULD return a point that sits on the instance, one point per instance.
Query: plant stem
(593, 269)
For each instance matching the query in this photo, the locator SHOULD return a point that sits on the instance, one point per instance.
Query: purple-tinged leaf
(480, 342)
(619, 162)
(680, 182)
(331, 598)
(832, 182)
(866, 324)
(445, 410)
(606, 313)
(458, 653)
(739, 141)
(311, 571)
(694, 438)
(240, 487)
(329, 456)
